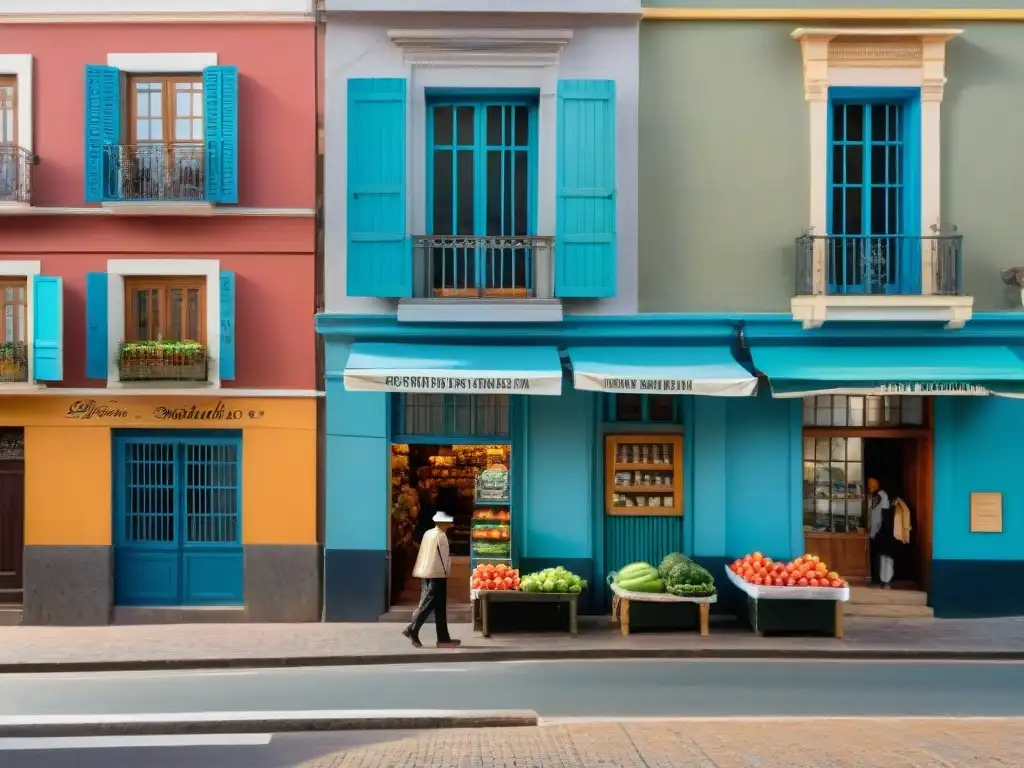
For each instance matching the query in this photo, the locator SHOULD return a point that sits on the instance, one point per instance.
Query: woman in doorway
(880, 517)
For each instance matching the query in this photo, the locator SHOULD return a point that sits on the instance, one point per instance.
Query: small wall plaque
(986, 513)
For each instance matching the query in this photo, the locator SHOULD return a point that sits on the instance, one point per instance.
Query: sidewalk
(706, 744)
(30, 649)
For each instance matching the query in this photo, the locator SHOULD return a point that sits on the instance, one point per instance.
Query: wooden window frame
(13, 282)
(168, 114)
(12, 82)
(164, 285)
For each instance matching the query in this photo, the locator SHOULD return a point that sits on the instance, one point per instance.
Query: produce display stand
(656, 609)
(793, 610)
(485, 597)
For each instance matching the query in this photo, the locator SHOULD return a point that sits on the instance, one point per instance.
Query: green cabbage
(670, 562)
(561, 585)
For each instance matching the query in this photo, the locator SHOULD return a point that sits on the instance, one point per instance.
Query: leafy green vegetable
(670, 562)
(691, 590)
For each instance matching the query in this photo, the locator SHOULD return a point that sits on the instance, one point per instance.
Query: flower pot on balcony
(162, 361)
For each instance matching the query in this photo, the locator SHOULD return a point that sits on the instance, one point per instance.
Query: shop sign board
(114, 410)
(448, 382)
(986, 512)
(660, 385)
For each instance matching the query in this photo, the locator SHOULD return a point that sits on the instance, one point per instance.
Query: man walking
(433, 564)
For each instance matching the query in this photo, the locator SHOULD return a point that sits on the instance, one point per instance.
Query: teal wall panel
(977, 448)
(558, 514)
(357, 492)
(629, 539)
(708, 482)
(762, 458)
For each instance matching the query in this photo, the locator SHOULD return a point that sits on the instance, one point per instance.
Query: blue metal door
(177, 519)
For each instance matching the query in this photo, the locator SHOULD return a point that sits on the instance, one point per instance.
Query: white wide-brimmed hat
(443, 517)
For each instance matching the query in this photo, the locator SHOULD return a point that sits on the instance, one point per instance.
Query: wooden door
(921, 511)
(12, 529)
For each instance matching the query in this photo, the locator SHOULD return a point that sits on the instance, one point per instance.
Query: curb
(171, 724)
(463, 656)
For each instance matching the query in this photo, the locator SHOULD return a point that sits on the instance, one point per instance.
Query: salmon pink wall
(277, 102)
(272, 258)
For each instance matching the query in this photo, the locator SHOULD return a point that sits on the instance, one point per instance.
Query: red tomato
(812, 582)
(835, 584)
(790, 582)
(802, 582)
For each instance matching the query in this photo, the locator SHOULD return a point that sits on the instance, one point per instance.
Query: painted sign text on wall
(90, 410)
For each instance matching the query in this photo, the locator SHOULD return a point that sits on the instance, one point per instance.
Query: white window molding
(163, 63)
(119, 269)
(27, 270)
(875, 57)
(472, 58)
(436, 47)
(20, 66)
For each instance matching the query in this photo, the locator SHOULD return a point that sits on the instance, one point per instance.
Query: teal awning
(939, 370)
(467, 370)
(661, 371)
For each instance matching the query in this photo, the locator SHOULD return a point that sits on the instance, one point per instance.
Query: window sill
(159, 207)
(8, 208)
(20, 387)
(480, 311)
(165, 386)
(815, 311)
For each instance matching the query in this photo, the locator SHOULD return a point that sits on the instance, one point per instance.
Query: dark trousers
(433, 599)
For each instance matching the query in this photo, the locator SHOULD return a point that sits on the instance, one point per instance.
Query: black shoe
(412, 638)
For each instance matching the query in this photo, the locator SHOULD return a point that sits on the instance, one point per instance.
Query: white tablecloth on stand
(761, 592)
(660, 597)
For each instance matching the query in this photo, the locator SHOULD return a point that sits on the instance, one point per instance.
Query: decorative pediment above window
(874, 56)
(481, 47)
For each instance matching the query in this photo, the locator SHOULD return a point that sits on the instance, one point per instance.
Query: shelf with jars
(491, 537)
(644, 475)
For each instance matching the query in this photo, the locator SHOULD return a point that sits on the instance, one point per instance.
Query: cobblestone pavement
(707, 744)
(144, 645)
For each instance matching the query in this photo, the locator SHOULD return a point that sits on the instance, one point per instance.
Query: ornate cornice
(481, 47)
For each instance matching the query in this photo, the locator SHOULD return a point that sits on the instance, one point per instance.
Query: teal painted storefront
(742, 461)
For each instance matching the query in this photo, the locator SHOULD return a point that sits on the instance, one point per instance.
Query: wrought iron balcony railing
(13, 362)
(454, 266)
(15, 174)
(880, 264)
(154, 172)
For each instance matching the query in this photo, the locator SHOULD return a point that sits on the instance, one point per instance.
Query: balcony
(880, 278)
(15, 176)
(13, 362)
(482, 279)
(155, 178)
(174, 361)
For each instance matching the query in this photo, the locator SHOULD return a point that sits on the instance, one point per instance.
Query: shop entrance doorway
(899, 465)
(439, 477)
(848, 439)
(12, 515)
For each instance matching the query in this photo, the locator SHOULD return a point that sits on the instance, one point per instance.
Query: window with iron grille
(450, 416)
(651, 409)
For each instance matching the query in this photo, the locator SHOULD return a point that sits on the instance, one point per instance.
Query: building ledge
(815, 311)
(480, 311)
(160, 208)
(14, 209)
(518, 7)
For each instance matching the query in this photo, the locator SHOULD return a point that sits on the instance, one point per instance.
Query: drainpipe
(319, 34)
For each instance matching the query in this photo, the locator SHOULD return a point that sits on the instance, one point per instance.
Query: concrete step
(458, 613)
(888, 611)
(10, 616)
(877, 596)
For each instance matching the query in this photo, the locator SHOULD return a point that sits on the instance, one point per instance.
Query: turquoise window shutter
(220, 100)
(585, 230)
(97, 356)
(102, 129)
(379, 257)
(227, 326)
(47, 328)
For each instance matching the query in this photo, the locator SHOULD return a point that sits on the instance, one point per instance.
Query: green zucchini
(645, 584)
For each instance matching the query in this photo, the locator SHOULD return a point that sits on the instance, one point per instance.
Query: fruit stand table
(623, 601)
(485, 597)
(793, 609)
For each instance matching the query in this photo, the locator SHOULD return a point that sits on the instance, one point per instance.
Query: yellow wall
(67, 485)
(279, 486)
(68, 461)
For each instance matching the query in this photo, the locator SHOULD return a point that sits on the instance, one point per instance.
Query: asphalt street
(554, 689)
